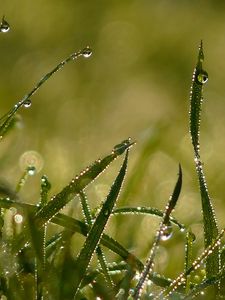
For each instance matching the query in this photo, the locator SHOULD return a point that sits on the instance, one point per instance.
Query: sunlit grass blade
(97, 228)
(210, 224)
(6, 120)
(181, 279)
(145, 211)
(162, 230)
(79, 183)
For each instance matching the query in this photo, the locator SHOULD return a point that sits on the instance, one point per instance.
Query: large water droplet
(27, 103)
(203, 77)
(87, 52)
(167, 232)
(4, 26)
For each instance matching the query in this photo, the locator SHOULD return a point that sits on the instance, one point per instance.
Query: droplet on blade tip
(87, 52)
(4, 26)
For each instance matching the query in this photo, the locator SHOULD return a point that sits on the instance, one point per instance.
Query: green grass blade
(195, 265)
(99, 252)
(145, 211)
(79, 183)
(6, 120)
(188, 255)
(75, 226)
(163, 228)
(209, 219)
(96, 230)
(199, 288)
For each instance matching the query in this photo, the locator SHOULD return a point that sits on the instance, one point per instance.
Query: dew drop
(167, 232)
(87, 52)
(18, 218)
(131, 292)
(106, 213)
(4, 26)
(27, 103)
(31, 170)
(203, 77)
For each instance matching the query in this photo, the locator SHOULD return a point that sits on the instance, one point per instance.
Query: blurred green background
(135, 84)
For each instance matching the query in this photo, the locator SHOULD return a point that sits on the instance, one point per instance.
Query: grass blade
(195, 265)
(99, 252)
(210, 224)
(79, 183)
(145, 211)
(96, 230)
(77, 226)
(6, 120)
(163, 227)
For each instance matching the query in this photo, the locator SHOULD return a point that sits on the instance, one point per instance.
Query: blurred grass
(136, 83)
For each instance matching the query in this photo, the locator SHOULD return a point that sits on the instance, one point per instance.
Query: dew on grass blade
(18, 218)
(31, 170)
(27, 103)
(4, 26)
(87, 52)
(203, 77)
(166, 232)
(32, 161)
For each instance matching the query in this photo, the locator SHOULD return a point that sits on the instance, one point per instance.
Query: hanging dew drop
(87, 52)
(4, 26)
(202, 77)
(27, 103)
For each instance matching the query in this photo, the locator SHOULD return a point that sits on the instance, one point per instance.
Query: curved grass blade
(95, 233)
(181, 279)
(7, 118)
(79, 183)
(163, 227)
(210, 224)
(145, 211)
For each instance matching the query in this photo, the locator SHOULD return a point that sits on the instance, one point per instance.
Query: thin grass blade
(6, 120)
(145, 211)
(98, 227)
(200, 76)
(148, 269)
(79, 183)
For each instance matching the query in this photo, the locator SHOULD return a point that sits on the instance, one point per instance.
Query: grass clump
(35, 265)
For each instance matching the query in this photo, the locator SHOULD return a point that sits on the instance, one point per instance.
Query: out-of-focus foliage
(136, 84)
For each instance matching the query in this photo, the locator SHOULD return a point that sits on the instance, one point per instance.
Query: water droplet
(106, 213)
(4, 26)
(131, 292)
(203, 77)
(18, 218)
(27, 103)
(167, 232)
(87, 52)
(31, 170)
